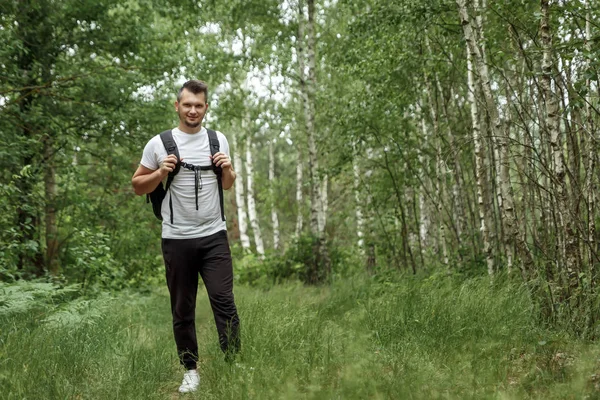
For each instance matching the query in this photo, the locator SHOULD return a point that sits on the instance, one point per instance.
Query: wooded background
(424, 136)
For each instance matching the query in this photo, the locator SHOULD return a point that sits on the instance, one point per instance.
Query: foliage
(86, 84)
(290, 266)
(24, 296)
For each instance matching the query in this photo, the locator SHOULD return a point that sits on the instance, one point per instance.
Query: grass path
(414, 339)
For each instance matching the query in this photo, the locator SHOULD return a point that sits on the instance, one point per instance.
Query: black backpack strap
(215, 146)
(171, 148)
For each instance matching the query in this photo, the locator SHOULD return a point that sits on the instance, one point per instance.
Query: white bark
(308, 92)
(440, 172)
(308, 82)
(424, 220)
(299, 198)
(369, 242)
(274, 218)
(260, 249)
(324, 204)
(474, 54)
(592, 151)
(508, 214)
(565, 225)
(359, 206)
(240, 196)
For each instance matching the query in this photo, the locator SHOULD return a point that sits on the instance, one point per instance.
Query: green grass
(359, 339)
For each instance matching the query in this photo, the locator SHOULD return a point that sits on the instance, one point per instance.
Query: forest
(414, 216)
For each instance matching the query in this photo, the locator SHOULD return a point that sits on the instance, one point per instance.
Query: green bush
(292, 265)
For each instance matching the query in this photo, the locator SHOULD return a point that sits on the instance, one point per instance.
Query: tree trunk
(457, 186)
(479, 161)
(440, 173)
(515, 229)
(590, 187)
(476, 55)
(30, 256)
(50, 207)
(240, 197)
(424, 214)
(299, 198)
(494, 130)
(318, 272)
(324, 204)
(274, 218)
(565, 226)
(359, 206)
(253, 216)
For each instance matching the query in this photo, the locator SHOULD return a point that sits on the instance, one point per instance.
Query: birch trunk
(476, 56)
(592, 150)
(320, 271)
(324, 204)
(440, 173)
(274, 217)
(299, 184)
(370, 234)
(515, 230)
(240, 196)
(359, 206)
(479, 162)
(260, 249)
(458, 185)
(508, 211)
(424, 219)
(495, 130)
(564, 221)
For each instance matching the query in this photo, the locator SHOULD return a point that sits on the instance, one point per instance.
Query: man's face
(191, 108)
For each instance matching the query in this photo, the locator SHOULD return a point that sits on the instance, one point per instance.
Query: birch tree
(240, 196)
(564, 226)
(299, 195)
(252, 214)
(476, 129)
(359, 206)
(307, 71)
(274, 217)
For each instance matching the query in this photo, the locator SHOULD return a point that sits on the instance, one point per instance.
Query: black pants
(211, 258)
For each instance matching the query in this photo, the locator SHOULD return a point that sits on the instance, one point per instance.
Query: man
(194, 235)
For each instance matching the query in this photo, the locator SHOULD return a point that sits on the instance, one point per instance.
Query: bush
(292, 265)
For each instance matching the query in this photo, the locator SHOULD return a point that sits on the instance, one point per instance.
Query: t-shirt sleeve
(150, 156)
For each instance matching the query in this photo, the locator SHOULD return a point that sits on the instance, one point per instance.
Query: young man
(194, 235)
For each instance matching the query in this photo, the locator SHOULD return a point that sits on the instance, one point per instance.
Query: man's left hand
(221, 160)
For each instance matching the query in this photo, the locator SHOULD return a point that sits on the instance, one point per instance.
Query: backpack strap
(171, 148)
(215, 146)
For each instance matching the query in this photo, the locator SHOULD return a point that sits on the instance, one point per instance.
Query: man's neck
(186, 129)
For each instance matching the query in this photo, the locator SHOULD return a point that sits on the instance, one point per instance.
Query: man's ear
(176, 106)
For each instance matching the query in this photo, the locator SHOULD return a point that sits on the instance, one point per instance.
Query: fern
(22, 296)
(79, 313)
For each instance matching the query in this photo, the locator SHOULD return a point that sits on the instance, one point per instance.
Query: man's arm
(145, 180)
(222, 160)
(228, 178)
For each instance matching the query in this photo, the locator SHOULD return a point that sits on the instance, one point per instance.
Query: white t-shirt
(188, 222)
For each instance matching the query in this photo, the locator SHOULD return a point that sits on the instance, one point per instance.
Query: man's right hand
(145, 180)
(168, 165)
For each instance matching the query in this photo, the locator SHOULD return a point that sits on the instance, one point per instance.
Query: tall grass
(408, 338)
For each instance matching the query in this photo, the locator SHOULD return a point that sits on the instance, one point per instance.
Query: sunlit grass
(360, 339)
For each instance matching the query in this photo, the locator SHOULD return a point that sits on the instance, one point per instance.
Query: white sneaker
(191, 381)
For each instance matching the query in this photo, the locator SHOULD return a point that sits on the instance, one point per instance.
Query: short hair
(195, 86)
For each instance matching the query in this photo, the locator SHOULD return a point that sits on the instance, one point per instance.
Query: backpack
(157, 196)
